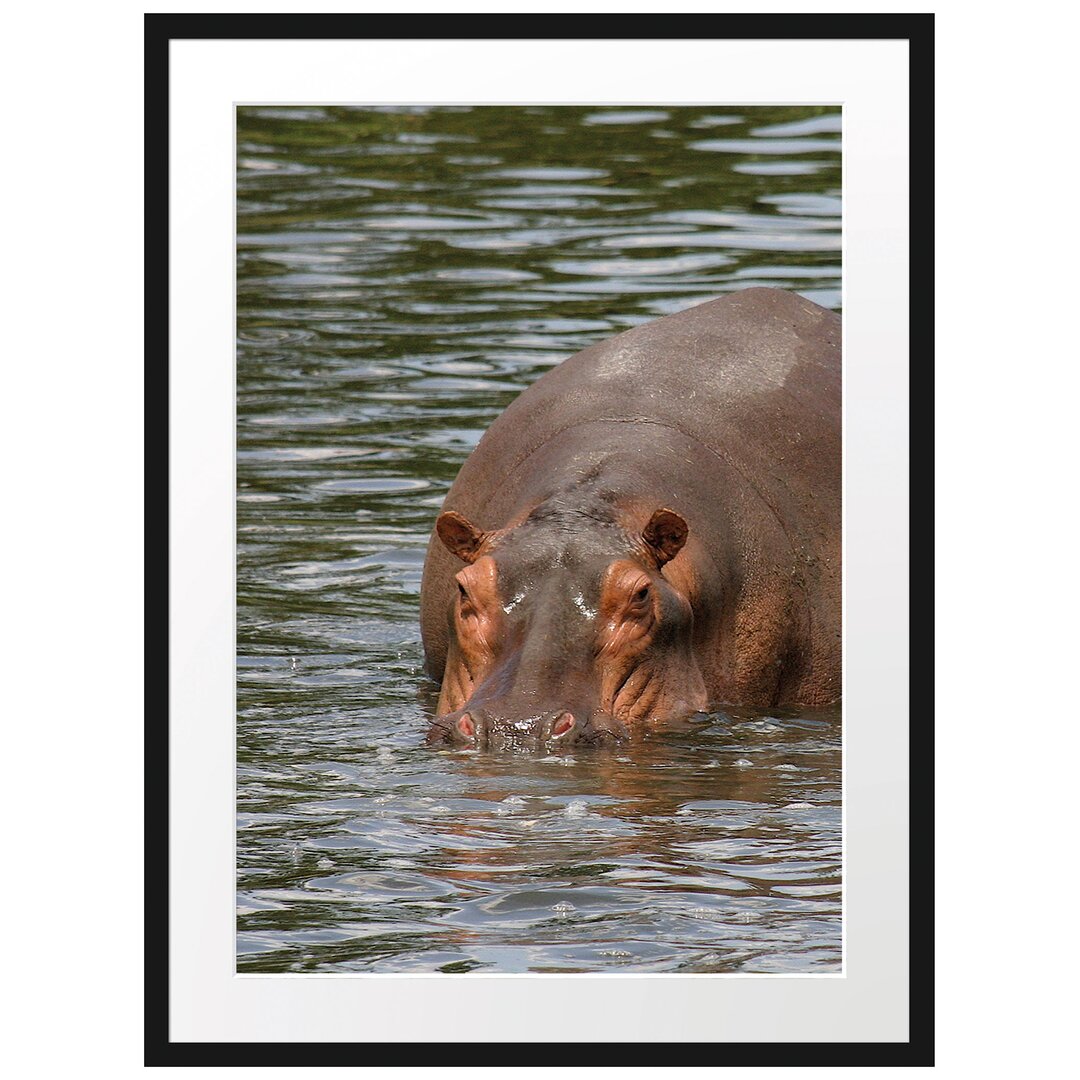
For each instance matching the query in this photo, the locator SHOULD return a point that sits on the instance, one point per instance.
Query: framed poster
(364, 245)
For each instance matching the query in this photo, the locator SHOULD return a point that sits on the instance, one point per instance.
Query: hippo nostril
(466, 726)
(564, 723)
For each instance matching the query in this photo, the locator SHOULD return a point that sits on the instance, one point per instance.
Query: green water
(402, 274)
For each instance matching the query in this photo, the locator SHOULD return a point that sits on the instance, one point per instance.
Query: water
(403, 273)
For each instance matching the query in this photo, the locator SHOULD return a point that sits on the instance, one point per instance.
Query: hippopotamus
(649, 531)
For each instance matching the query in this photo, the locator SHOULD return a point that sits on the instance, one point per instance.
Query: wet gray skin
(544, 689)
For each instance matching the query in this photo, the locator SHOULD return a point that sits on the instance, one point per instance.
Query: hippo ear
(460, 536)
(665, 535)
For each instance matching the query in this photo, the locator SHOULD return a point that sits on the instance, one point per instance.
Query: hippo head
(564, 629)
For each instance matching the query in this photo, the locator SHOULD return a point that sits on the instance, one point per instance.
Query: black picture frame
(159, 31)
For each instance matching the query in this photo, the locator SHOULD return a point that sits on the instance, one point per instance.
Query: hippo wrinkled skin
(651, 529)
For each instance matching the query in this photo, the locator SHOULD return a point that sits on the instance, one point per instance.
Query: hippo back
(753, 376)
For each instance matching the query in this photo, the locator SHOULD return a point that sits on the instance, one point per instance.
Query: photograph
(538, 539)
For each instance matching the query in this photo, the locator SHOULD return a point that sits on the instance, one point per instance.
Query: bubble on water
(296, 853)
(380, 799)
(384, 753)
(562, 908)
(799, 806)
(441, 808)
(747, 917)
(509, 805)
(787, 768)
(530, 824)
(577, 809)
(325, 864)
(761, 727)
(743, 763)
(700, 913)
(568, 761)
(620, 954)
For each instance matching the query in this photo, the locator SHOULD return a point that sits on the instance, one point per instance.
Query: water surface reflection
(403, 273)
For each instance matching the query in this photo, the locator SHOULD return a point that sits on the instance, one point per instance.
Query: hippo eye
(463, 596)
(641, 594)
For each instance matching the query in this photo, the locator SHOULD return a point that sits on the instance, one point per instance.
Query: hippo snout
(456, 729)
(475, 727)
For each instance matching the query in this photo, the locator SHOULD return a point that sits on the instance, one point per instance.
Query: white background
(869, 1002)
(72, 640)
